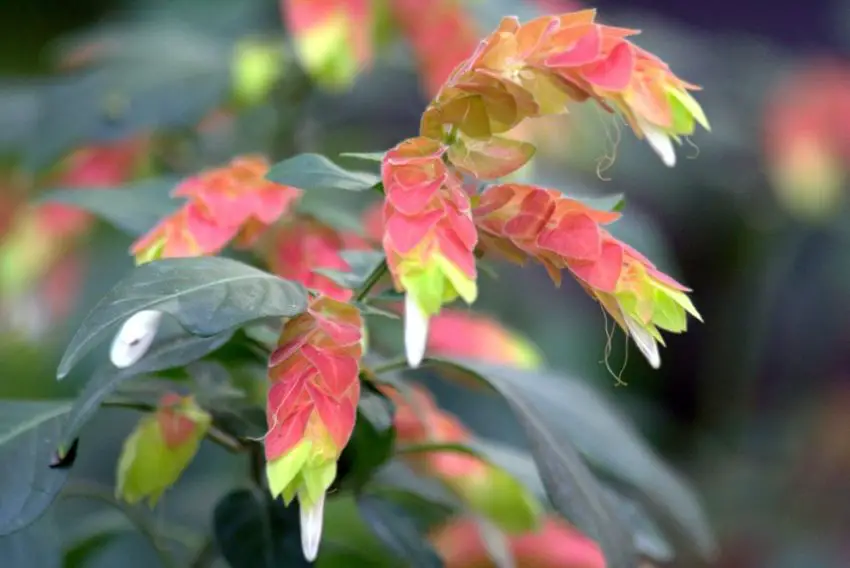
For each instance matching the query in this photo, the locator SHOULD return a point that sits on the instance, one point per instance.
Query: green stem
(142, 524)
(206, 555)
(428, 447)
(396, 364)
(370, 282)
(214, 434)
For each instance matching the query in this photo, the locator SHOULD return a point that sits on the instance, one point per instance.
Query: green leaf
(574, 411)
(613, 202)
(572, 488)
(252, 531)
(169, 351)
(314, 171)
(393, 526)
(367, 156)
(135, 208)
(371, 442)
(36, 546)
(29, 431)
(362, 263)
(207, 296)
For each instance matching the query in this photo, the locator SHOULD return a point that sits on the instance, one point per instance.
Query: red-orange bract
(303, 246)
(312, 399)
(235, 201)
(555, 545)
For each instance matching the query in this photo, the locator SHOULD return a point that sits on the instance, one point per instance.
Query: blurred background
(753, 406)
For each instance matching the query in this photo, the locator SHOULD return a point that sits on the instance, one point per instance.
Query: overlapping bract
(312, 400)
(526, 221)
(485, 488)
(302, 247)
(332, 37)
(223, 204)
(534, 69)
(555, 545)
(160, 448)
(441, 37)
(429, 237)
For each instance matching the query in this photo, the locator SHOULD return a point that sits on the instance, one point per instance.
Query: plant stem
(214, 434)
(206, 555)
(396, 364)
(371, 280)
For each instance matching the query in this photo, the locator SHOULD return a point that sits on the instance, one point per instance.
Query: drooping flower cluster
(441, 37)
(534, 69)
(526, 221)
(485, 488)
(312, 407)
(160, 448)
(429, 237)
(332, 37)
(232, 202)
(555, 545)
(303, 246)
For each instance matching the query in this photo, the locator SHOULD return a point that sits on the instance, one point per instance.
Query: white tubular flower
(311, 528)
(134, 338)
(660, 142)
(644, 341)
(415, 331)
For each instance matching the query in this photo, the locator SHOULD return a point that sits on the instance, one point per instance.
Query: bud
(160, 448)
(312, 407)
(257, 66)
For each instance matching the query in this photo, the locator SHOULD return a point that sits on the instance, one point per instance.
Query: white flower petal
(415, 331)
(134, 338)
(311, 528)
(660, 142)
(644, 341)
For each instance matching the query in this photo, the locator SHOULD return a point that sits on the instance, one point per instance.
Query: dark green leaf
(29, 431)
(573, 490)
(371, 442)
(576, 412)
(646, 535)
(393, 526)
(36, 546)
(120, 98)
(169, 351)
(135, 208)
(207, 296)
(314, 171)
(252, 531)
